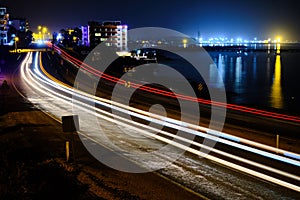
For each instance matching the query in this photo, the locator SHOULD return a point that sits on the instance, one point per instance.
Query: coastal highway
(235, 167)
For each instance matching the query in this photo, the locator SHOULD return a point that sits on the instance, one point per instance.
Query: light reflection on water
(264, 79)
(238, 74)
(260, 78)
(276, 93)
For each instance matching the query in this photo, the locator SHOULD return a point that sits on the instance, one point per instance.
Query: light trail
(184, 126)
(199, 128)
(36, 78)
(100, 74)
(166, 122)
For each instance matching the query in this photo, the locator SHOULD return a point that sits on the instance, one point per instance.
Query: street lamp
(184, 41)
(278, 39)
(44, 30)
(16, 40)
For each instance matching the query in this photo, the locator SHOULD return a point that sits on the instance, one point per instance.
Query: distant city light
(42, 33)
(59, 37)
(278, 39)
(221, 41)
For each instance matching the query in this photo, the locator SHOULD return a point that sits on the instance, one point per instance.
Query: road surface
(201, 175)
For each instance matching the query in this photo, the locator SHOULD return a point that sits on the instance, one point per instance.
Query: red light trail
(100, 74)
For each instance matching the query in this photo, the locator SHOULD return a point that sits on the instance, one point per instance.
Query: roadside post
(4, 92)
(70, 125)
(277, 142)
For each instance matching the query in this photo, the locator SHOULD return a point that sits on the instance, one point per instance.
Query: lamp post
(16, 40)
(39, 31)
(184, 42)
(44, 30)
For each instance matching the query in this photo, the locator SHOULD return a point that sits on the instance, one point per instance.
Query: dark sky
(213, 18)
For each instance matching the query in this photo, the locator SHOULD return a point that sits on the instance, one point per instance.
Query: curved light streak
(183, 126)
(195, 127)
(98, 73)
(50, 80)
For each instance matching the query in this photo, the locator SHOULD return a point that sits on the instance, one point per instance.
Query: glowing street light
(16, 40)
(184, 41)
(42, 30)
(278, 39)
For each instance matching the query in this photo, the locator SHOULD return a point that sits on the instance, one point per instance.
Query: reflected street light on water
(276, 92)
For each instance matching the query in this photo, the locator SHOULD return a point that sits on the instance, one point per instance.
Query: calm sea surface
(260, 79)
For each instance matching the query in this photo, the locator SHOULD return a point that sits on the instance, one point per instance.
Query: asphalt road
(33, 158)
(145, 105)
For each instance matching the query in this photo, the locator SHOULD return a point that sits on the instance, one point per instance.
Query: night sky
(213, 18)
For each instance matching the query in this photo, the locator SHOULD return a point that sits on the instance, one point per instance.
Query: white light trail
(176, 124)
(36, 79)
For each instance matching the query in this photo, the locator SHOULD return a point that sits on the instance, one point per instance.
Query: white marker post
(277, 142)
(67, 151)
(71, 125)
